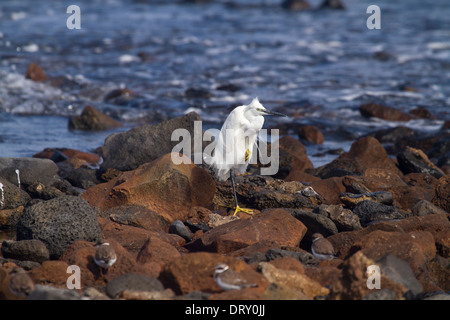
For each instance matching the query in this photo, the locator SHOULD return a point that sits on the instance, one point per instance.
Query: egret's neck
(255, 121)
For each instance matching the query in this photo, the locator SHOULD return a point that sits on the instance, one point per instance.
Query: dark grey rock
(315, 223)
(25, 250)
(40, 191)
(440, 148)
(305, 258)
(351, 199)
(261, 193)
(391, 136)
(256, 257)
(332, 4)
(58, 156)
(31, 170)
(128, 150)
(131, 281)
(178, 227)
(444, 161)
(400, 271)
(295, 5)
(194, 227)
(26, 265)
(58, 223)
(65, 187)
(371, 211)
(82, 177)
(11, 196)
(410, 161)
(198, 93)
(344, 219)
(424, 207)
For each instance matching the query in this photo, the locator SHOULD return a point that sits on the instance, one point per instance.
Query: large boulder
(414, 160)
(11, 196)
(293, 160)
(92, 119)
(162, 186)
(194, 272)
(128, 150)
(364, 153)
(81, 254)
(58, 223)
(383, 112)
(25, 250)
(29, 171)
(275, 225)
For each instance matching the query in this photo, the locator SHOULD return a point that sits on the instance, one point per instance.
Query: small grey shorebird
(228, 279)
(20, 283)
(322, 248)
(105, 256)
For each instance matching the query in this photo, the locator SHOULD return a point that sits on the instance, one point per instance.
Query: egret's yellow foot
(239, 209)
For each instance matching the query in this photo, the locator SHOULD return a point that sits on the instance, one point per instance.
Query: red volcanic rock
(311, 134)
(371, 154)
(329, 189)
(442, 196)
(133, 238)
(35, 73)
(383, 112)
(194, 272)
(81, 254)
(162, 186)
(293, 160)
(157, 251)
(365, 153)
(274, 225)
(51, 272)
(92, 119)
(71, 154)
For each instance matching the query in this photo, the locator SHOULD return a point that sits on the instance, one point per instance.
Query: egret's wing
(227, 137)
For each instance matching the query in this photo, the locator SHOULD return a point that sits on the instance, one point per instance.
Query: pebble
(178, 227)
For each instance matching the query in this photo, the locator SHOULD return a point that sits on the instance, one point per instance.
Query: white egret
(235, 142)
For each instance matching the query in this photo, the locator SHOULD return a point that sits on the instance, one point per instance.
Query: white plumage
(236, 140)
(238, 134)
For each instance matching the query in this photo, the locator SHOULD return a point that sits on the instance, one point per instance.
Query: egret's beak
(274, 113)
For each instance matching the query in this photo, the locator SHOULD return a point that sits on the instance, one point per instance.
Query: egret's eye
(259, 109)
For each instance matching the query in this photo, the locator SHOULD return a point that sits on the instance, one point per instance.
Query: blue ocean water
(317, 66)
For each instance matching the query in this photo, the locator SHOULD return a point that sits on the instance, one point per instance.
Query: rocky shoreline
(386, 202)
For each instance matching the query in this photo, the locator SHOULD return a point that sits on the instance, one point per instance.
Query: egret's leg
(248, 211)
